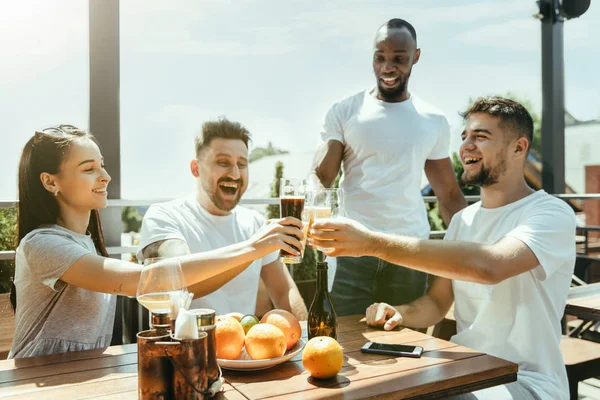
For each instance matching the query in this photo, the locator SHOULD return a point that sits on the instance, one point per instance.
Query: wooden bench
(582, 357)
(7, 325)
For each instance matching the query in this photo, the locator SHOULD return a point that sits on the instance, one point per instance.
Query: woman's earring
(56, 193)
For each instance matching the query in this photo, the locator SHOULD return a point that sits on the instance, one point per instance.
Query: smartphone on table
(398, 350)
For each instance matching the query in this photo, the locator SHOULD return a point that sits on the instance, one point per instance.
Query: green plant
(273, 210)
(132, 220)
(8, 241)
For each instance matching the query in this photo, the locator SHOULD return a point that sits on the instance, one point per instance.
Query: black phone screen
(401, 348)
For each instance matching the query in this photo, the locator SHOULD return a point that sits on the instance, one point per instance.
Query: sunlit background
(276, 66)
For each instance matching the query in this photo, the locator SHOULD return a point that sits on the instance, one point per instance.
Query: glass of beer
(326, 203)
(292, 194)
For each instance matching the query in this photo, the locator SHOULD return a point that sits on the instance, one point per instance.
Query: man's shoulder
(426, 109)
(542, 201)
(171, 207)
(350, 102)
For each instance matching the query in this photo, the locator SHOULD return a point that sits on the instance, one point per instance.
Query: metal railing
(117, 250)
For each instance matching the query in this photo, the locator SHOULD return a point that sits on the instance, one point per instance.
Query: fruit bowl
(245, 363)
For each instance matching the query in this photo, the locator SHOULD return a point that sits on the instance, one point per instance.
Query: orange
(265, 341)
(236, 315)
(229, 336)
(323, 357)
(288, 324)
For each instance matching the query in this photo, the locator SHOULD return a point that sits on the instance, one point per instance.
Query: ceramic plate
(245, 363)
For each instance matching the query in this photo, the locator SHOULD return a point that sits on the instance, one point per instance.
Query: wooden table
(444, 369)
(584, 302)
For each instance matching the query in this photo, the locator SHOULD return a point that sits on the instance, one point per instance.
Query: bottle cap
(322, 265)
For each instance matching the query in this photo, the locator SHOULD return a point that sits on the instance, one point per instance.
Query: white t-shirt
(187, 220)
(385, 149)
(518, 319)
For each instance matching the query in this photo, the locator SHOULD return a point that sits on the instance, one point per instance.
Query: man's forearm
(291, 300)
(448, 207)
(327, 162)
(297, 305)
(421, 313)
(449, 259)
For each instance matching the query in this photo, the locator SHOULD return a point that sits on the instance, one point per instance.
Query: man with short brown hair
(212, 218)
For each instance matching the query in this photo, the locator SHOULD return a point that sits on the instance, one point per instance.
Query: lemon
(248, 321)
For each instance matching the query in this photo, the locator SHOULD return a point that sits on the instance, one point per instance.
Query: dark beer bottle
(321, 316)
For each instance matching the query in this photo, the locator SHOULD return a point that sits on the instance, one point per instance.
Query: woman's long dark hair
(45, 152)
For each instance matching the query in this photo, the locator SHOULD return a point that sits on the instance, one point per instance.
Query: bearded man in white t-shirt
(211, 218)
(506, 261)
(384, 138)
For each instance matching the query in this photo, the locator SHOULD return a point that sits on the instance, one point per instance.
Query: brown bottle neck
(322, 276)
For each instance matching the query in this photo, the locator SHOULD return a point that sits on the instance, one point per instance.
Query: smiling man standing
(383, 137)
(211, 219)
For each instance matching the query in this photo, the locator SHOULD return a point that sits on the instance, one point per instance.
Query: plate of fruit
(245, 343)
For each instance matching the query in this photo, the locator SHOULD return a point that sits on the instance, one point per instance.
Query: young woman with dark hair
(64, 285)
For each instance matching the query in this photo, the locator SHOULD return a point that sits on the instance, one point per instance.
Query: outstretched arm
(175, 248)
(108, 275)
(462, 260)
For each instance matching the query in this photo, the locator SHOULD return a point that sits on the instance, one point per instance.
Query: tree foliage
(132, 220)
(260, 152)
(8, 241)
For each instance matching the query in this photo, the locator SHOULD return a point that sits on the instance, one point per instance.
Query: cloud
(272, 27)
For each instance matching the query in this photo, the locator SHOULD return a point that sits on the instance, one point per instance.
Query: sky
(275, 66)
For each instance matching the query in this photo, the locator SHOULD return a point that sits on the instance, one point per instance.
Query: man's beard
(487, 176)
(215, 195)
(391, 95)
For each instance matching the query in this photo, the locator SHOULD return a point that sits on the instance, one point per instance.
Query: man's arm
(468, 261)
(175, 248)
(328, 160)
(283, 290)
(440, 174)
(421, 313)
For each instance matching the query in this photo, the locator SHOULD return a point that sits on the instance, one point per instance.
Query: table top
(444, 369)
(584, 301)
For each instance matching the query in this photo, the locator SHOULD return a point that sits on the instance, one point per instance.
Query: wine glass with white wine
(161, 284)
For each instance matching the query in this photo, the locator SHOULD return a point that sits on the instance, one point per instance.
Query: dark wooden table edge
(582, 312)
(468, 388)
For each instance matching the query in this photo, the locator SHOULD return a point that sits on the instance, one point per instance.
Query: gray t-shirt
(53, 316)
